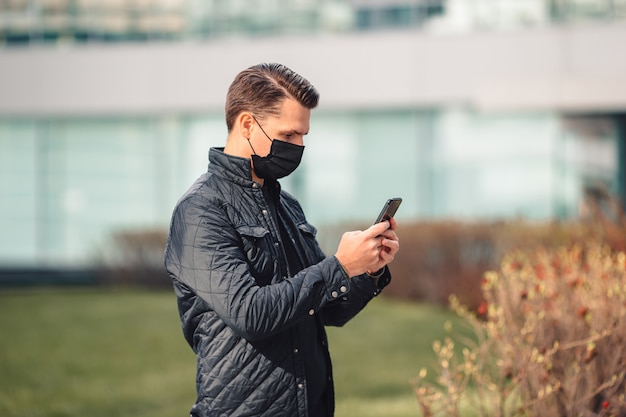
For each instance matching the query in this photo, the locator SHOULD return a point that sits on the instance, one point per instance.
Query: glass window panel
(354, 162)
(496, 165)
(70, 183)
(331, 183)
(18, 193)
(100, 179)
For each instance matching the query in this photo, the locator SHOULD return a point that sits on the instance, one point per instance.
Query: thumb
(377, 229)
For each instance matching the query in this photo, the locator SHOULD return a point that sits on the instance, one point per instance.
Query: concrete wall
(569, 69)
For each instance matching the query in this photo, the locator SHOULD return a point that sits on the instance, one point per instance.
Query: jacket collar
(230, 167)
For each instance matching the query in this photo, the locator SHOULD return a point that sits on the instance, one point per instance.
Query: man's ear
(245, 121)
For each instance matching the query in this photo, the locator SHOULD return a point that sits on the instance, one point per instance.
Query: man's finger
(377, 229)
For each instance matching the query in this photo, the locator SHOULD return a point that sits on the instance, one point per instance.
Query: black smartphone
(389, 209)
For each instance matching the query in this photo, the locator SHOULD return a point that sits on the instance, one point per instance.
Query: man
(254, 289)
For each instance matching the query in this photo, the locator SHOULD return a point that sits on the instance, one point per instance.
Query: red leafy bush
(552, 341)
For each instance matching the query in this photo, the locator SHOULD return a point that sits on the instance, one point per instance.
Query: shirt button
(300, 386)
(276, 244)
(311, 312)
(295, 350)
(343, 288)
(264, 212)
(334, 294)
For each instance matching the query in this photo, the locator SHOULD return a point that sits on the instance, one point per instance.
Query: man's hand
(368, 250)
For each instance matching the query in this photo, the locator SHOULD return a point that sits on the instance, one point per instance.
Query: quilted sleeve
(206, 254)
(362, 289)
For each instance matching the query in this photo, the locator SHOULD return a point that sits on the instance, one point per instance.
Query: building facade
(472, 110)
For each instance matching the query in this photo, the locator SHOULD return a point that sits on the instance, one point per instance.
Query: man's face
(290, 126)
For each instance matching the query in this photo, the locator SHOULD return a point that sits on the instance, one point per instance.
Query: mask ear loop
(250, 143)
(262, 130)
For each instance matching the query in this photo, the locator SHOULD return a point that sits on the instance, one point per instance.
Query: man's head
(268, 110)
(262, 88)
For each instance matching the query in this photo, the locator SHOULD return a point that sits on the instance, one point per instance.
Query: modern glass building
(468, 109)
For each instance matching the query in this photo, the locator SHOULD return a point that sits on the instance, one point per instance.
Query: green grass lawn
(121, 353)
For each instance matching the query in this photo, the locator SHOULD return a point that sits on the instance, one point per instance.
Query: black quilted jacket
(238, 306)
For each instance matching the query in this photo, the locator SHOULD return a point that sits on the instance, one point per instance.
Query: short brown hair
(261, 89)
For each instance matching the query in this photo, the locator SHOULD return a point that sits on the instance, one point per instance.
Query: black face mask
(283, 159)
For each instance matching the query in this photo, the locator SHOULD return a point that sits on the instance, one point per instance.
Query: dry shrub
(443, 258)
(551, 342)
(134, 257)
(438, 259)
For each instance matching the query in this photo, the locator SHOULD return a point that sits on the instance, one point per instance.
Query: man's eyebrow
(294, 131)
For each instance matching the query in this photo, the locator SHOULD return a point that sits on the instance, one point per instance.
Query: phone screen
(389, 209)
